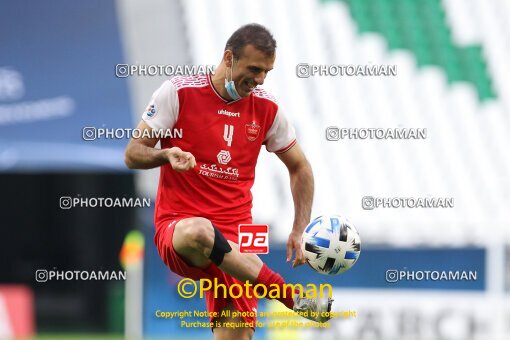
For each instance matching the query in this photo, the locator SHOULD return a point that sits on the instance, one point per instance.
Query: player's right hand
(181, 160)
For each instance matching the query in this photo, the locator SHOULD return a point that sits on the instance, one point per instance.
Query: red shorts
(163, 240)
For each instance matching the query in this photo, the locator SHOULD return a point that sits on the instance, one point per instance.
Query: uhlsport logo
(228, 113)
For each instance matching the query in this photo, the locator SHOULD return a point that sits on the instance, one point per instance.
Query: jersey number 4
(228, 134)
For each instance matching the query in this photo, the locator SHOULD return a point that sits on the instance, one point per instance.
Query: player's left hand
(294, 244)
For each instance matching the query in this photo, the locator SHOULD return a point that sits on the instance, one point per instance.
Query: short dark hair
(251, 34)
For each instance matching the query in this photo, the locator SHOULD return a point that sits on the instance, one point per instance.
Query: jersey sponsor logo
(252, 131)
(214, 171)
(150, 111)
(254, 238)
(224, 157)
(228, 113)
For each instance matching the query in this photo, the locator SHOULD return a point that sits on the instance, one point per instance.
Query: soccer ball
(331, 244)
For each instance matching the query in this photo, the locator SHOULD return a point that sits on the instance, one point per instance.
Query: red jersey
(225, 137)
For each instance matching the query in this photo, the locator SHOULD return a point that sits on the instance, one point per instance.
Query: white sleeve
(163, 109)
(281, 136)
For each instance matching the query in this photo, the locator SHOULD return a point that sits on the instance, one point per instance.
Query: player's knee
(198, 232)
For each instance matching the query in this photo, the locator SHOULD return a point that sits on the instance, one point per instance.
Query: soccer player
(206, 176)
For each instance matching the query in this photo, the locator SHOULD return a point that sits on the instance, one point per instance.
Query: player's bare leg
(194, 240)
(241, 333)
(200, 243)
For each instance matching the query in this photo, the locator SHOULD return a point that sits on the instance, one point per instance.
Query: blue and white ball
(331, 244)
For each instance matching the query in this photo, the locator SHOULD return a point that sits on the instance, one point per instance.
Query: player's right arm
(142, 154)
(161, 113)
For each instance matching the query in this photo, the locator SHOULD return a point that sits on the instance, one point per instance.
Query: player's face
(251, 70)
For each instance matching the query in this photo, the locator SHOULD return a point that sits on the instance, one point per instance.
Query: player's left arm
(302, 186)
